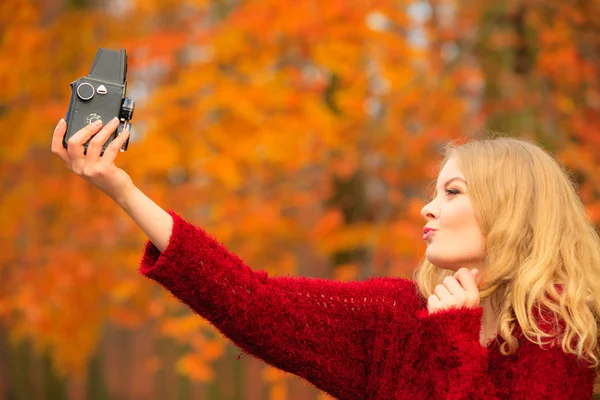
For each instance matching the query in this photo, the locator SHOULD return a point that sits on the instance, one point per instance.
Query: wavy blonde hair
(537, 237)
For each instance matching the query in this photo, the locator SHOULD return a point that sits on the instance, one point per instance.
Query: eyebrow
(455, 178)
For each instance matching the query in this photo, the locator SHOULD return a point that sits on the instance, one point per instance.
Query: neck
(489, 322)
(486, 305)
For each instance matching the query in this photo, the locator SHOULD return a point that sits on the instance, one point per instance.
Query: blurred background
(304, 135)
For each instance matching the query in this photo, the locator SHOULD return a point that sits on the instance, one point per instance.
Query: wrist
(123, 199)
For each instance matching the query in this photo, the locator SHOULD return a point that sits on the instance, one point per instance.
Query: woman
(525, 327)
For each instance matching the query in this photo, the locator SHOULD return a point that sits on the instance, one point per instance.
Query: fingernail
(98, 122)
(115, 119)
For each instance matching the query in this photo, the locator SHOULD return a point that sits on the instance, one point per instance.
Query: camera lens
(127, 109)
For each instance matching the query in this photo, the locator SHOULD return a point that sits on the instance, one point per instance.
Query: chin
(444, 263)
(454, 264)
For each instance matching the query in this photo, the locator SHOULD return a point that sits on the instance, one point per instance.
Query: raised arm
(318, 329)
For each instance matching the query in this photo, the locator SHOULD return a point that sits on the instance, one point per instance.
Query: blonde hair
(537, 237)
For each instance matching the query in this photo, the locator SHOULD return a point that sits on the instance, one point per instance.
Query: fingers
(433, 304)
(95, 146)
(75, 147)
(57, 139)
(476, 276)
(443, 294)
(453, 286)
(455, 292)
(467, 280)
(110, 154)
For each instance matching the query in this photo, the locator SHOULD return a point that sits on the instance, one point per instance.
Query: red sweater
(370, 339)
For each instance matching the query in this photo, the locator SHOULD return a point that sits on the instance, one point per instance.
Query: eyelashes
(449, 192)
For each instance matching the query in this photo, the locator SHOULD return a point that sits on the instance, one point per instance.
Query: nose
(427, 212)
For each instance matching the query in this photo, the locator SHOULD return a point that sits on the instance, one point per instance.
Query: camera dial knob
(85, 91)
(93, 117)
(127, 108)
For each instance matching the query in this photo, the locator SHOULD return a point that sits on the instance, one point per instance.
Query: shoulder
(543, 327)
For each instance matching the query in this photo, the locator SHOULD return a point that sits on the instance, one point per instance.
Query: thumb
(475, 273)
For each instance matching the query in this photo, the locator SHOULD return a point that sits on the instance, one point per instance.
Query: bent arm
(539, 373)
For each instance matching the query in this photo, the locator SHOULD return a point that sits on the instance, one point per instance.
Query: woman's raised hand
(100, 171)
(457, 291)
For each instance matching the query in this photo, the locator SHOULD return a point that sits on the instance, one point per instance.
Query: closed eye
(449, 192)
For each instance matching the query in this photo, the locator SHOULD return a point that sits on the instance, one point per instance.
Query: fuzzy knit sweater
(371, 339)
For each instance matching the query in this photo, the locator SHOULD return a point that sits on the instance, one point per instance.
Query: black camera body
(101, 96)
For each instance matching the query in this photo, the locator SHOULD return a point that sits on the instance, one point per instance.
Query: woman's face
(457, 241)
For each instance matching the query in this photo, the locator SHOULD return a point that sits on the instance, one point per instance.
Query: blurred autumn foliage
(302, 134)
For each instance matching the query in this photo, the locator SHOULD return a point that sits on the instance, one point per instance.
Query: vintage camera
(101, 95)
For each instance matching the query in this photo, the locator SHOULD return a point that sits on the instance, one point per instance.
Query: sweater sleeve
(538, 373)
(319, 329)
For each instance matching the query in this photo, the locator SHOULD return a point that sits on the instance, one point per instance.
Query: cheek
(459, 216)
(460, 237)
(452, 218)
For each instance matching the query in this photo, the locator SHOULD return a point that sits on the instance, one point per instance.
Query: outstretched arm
(321, 330)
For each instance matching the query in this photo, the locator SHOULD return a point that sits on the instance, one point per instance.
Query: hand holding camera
(99, 170)
(81, 141)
